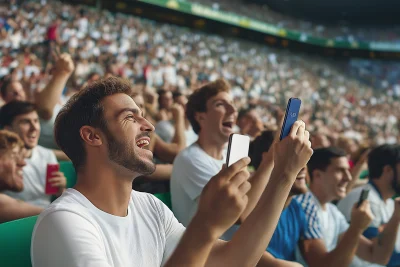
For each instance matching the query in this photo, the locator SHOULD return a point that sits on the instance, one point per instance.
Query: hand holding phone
(291, 115)
(363, 196)
(238, 148)
(51, 168)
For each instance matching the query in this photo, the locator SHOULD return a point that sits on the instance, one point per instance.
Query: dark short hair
(85, 108)
(197, 102)
(11, 110)
(177, 94)
(380, 157)
(258, 146)
(244, 112)
(321, 158)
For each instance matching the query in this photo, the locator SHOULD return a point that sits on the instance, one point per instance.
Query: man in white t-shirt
(329, 172)
(212, 115)
(102, 222)
(22, 118)
(384, 183)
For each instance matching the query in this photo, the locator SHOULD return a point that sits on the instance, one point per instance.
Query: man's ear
(200, 117)
(91, 136)
(316, 175)
(387, 171)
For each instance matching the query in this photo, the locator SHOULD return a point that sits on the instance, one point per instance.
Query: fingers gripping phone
(363, 196)
(291, 115)
(238, 148)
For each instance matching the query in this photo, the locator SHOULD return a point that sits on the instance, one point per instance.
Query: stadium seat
(165, 198)
(68, 169)
(15, 242)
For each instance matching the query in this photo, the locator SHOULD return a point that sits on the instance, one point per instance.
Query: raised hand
(177, 112)
(293, 152)
(64, 65)
(362, 216)
(224, 197)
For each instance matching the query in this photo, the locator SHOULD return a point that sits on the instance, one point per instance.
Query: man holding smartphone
(102, 222)
(329, 172)
(384, 183)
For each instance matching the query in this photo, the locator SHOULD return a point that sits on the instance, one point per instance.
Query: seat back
(68, 169)
(15, 242)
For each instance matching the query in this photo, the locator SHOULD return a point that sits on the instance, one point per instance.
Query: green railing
(263, 27)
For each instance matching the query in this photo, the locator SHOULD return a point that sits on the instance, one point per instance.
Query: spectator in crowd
(12, 90)
(165, 102)
(213, 116)
(250, 123)
(11, 178)
(22, 118)
(106, 148)
(329, 171)
(384, 169)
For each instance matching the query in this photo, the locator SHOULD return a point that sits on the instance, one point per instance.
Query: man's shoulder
(43, 152)
(188, 155)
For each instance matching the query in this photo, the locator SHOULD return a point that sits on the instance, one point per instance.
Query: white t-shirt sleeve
(66, 239)
(173, 229)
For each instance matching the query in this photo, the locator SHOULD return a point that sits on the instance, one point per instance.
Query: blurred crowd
(68, 77)
(336, 31)
(160, 56)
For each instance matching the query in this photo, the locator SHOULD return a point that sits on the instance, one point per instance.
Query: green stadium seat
(364, 174)
(15, 242)
(68, 169)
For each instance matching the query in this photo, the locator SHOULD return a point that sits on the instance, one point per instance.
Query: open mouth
(142, 142)
(228, 124)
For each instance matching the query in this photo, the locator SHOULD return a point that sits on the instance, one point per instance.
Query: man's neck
(105, 188)
(213, 149)
(322, 198)
(27, 152)
(384, 190)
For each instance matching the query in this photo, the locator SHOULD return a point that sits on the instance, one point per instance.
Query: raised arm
(47, 99)
(316, 254)
(12, 209)
(250, 241)
(179, 118)
(221, 203)
(380, 249)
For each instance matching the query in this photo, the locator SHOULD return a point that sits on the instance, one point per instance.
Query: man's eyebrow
(133, 110)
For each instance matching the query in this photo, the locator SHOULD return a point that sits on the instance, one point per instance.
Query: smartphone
(291, 115)
(51, 190)
(238, 148)
(363, 196)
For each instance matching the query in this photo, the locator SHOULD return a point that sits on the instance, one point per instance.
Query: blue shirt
(292, 227)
